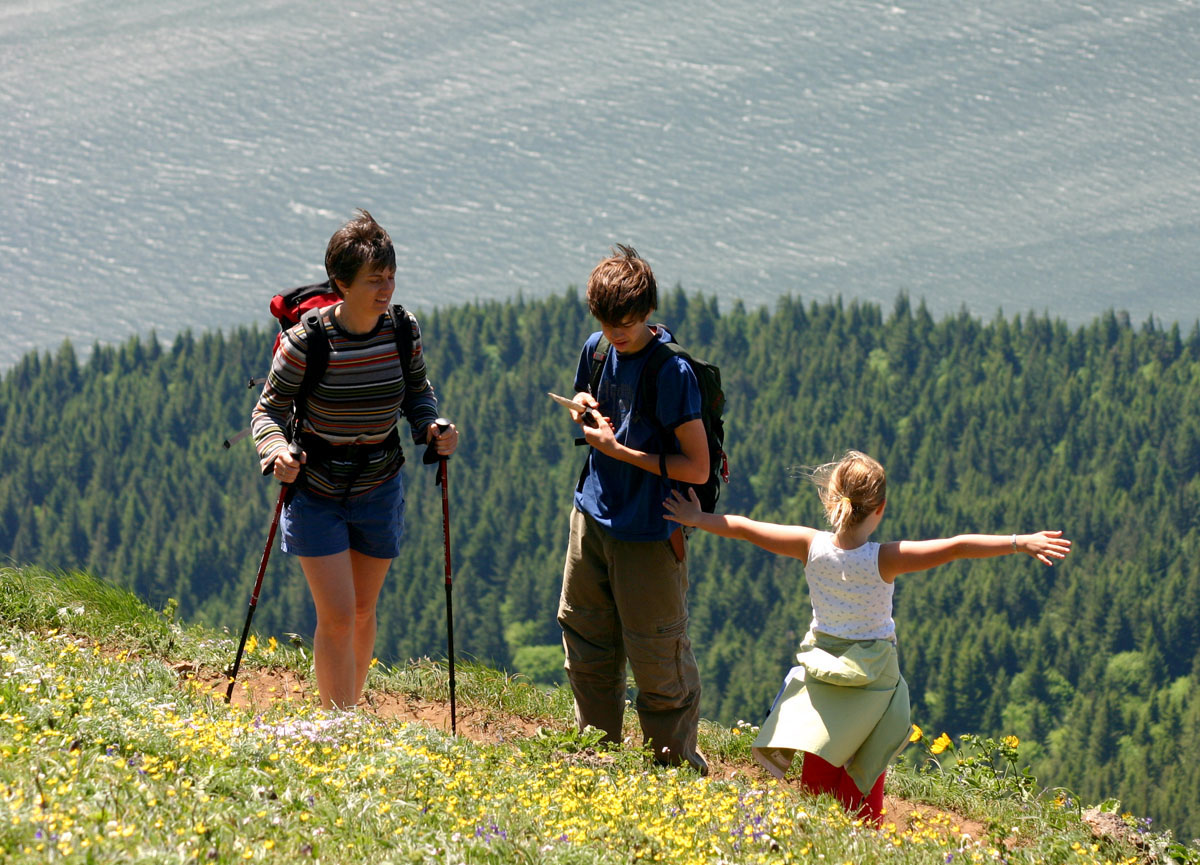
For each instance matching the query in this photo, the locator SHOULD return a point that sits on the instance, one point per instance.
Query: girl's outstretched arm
(785, 540)
(904, 557)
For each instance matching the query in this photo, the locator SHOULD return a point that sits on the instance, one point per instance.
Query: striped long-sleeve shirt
(358, 401)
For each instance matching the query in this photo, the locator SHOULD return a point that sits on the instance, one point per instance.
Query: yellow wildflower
(940, 744)
(1011, 741)
(917, 733)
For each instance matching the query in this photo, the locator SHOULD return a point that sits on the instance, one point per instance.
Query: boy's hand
(1044, 546)
(599, 433)
(585, 418)
(684, 511)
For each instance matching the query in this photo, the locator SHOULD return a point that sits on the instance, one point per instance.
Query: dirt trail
(262, 687)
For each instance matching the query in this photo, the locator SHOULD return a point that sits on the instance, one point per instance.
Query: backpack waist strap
(319, 450)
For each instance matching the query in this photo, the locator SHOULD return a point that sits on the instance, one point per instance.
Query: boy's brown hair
(621, 287)
(361, 241)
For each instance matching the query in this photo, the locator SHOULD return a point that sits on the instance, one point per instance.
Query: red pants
(819, 776)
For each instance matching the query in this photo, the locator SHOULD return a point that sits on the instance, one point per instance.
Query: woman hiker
(346, 516)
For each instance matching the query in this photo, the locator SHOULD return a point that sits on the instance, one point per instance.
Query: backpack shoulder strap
(402, 331)
(648, 392)
(648, 385)
(599, 356)
(316, 361)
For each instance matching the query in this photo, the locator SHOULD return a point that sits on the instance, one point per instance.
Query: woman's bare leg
(369, 573)
(331, 581)
(345, 589)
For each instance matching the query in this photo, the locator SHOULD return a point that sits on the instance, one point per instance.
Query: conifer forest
(116, 466)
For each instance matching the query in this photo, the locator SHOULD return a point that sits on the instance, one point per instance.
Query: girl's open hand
(683, 510)
(1044, 546)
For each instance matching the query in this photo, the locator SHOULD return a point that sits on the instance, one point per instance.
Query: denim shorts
(371, 523)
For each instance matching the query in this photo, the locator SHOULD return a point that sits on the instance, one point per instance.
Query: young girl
(846, 704)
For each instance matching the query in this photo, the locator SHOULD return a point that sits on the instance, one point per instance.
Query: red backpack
(289, 306)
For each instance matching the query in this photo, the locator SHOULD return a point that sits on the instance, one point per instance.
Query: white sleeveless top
(849, 598)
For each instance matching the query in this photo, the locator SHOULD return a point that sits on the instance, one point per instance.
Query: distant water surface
(170, 163)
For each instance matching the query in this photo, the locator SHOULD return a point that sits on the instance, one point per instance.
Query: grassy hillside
(114, 747)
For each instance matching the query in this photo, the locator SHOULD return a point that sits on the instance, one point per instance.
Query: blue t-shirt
(623, 498)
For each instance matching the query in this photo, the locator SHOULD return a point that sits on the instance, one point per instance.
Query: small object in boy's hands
(584, 410)
(567, 403)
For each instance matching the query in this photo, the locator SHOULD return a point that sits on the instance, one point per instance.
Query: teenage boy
(624, 593)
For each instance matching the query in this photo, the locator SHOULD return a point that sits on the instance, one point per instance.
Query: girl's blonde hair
(851, 489)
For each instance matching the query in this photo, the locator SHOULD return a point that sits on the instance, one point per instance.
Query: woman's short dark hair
(361, 241)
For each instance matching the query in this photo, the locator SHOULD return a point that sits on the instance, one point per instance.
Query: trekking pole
(242, 433)
(235, 438)
(431, 455)
(294, 450)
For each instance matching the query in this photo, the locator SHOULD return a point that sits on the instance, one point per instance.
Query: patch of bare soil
(912, 815)
(261, 687)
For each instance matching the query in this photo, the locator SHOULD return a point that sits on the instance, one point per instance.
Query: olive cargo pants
(628, 600)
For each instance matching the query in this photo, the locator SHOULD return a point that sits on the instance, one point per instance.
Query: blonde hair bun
(850, 489)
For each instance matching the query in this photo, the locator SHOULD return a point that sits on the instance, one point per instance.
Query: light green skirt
(846, 702)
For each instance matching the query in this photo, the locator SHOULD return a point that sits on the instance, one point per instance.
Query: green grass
(108, 755)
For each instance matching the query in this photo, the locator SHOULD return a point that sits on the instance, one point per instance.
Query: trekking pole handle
(293, 448)
(431, 454)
